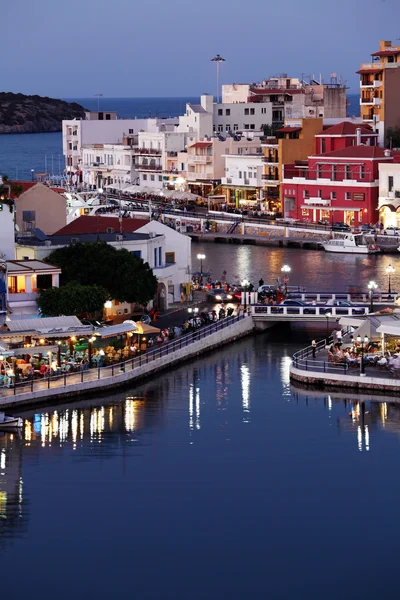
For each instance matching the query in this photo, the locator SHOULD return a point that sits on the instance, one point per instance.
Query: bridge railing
(267, 310)
(362, 297)
(95, 373)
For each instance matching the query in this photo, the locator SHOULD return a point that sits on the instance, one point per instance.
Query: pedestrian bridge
(262, 313)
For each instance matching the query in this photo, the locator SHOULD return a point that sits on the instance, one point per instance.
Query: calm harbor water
(217, 480)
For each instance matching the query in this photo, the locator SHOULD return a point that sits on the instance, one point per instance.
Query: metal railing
(308, 311)
(305, 361)
(97, 373)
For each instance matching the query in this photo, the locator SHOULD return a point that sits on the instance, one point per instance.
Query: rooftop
(367, 152)
(347, 128)
(99, 224)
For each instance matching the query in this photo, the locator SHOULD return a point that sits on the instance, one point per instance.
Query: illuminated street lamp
(32, 174)
(389, 271)
(327, 315)
(364, 343)
(201, 257)
(371, 287)
(245, 284)
(286, 270)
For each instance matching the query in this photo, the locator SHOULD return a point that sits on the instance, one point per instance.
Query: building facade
(380, 90)
(294, 141)
(338, 186)
(389, 194)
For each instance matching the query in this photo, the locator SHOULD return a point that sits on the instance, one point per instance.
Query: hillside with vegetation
(35, 114)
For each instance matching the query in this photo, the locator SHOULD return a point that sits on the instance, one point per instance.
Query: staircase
(232, 227)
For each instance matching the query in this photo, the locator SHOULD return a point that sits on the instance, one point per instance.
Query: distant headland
(35, 114)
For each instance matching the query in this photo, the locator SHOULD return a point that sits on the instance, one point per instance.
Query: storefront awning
(113, 330)
(322, 207)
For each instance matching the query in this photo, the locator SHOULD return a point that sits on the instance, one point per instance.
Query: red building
(342, 185)
(344, 135)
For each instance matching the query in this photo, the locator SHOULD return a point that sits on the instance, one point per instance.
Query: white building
(93, 130)
(389, 194)
(106, 164)
(243, 177)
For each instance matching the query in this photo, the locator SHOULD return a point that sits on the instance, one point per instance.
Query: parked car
(294, 305)
(219, 295)
(367, 228)
(339, 226)
(342, 307)
(391, 231)
(266, 288)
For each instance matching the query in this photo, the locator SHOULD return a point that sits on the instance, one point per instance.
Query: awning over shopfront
(113, 330)
(333, 208)
(48, 326)
(144, 329)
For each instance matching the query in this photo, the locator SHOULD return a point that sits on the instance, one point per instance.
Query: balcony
(366, 99)
(193, 176)
(147, 151)
(317, 201)
(202, 160)
(270, 160)
(142, 167)
(377, 101)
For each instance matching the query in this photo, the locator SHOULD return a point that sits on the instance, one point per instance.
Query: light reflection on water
(189, 454)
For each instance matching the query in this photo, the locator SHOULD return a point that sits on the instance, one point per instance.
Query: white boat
(9, 422)
(351, 244)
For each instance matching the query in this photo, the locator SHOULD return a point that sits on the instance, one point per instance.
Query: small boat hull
(349, 249)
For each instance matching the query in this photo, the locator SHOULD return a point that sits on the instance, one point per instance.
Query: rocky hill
(35, 114)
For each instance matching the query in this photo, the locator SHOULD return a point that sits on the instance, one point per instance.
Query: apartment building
(380, 90)
(294, 141)
(389, 193)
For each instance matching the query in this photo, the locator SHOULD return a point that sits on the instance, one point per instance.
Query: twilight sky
(127, 48)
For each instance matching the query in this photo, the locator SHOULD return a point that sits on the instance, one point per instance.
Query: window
(348, 196)
(152, 178)
(240, 174)
(252, 126)
(137, 253)
(247, 126)
(155, 257)
(108, 117)
(390, 183)
(306, 194)
(246, 111)
(144, 177)
(160, 256)
(347, 172)
(130, 131)
(160, 178)
(263, 111)
(220, 128)
(244, 174)
(228, 112)
(227, 127)
(252, 111)
(169, 258)
(319, 193)
(333, 195)
(250, 175)
(334, 172)
(235, 127)
(214, 128)
(220, 112)
(323, 145)
(319, 171)
(362, 172)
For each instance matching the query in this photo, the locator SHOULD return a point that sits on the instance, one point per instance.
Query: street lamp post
(327, 315)
(32, 174)
(389, 271)
(286, 270)
(371, 287)
(218, 60)
(363, 342)
(201, 257)
(245, 285)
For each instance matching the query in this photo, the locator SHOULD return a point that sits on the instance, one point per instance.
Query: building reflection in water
(13, 519)
(361, 415)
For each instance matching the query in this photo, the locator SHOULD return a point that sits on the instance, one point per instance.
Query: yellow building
(380, 90)
(295, 141)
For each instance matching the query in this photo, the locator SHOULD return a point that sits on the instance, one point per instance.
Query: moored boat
(351, 244)
(9, 422)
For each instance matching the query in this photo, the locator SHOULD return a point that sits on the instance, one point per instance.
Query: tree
(393, 137)
(72, 299)
(8, 189)
(125, 276)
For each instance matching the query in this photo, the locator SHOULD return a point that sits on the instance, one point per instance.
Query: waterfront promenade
(97, 380)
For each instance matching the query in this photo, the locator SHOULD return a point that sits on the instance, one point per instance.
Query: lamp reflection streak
(191, 406)
(197, 408)
(245, 381)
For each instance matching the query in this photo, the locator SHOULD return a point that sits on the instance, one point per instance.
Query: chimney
(388, 153)
(358, 134)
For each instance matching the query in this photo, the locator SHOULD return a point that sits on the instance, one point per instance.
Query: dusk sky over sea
(133, 49)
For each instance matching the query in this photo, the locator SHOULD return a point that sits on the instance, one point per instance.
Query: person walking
(314, 347)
